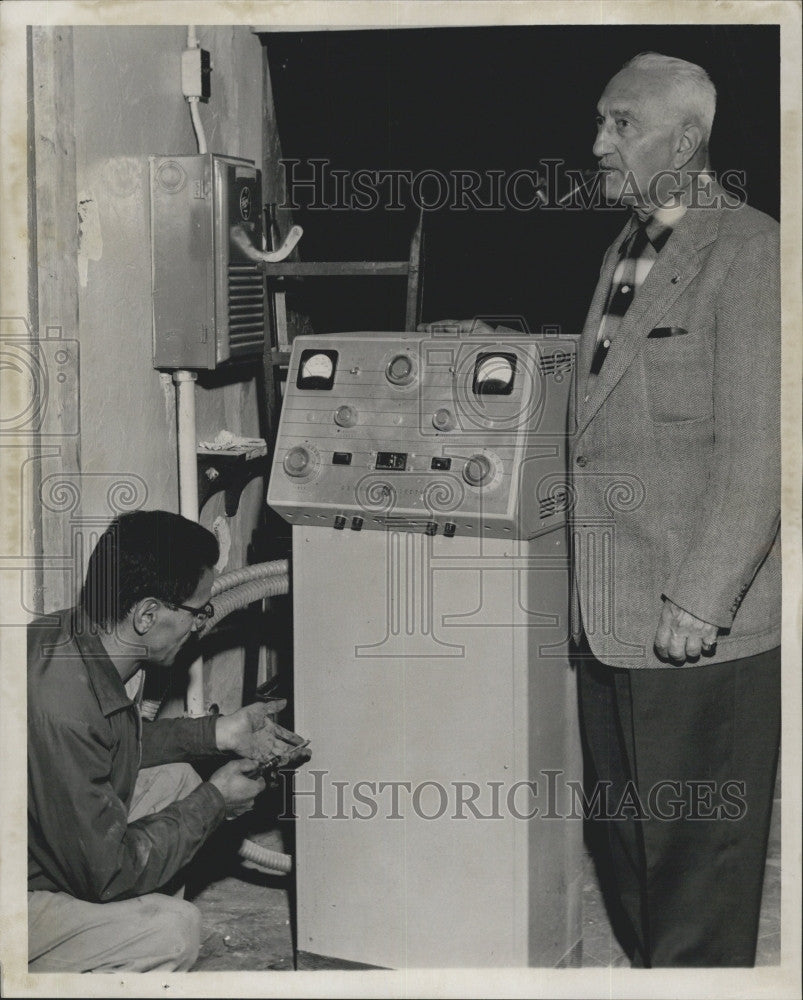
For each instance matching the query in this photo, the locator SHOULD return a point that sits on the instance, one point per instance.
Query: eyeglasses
(200, 615)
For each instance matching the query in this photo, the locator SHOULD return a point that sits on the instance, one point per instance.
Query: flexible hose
(247, 593)
(262, 580)
(273, 861)
(257, 586)
(278, 567)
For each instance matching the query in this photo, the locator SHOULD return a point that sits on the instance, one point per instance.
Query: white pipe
(187, 447)
(188, 503)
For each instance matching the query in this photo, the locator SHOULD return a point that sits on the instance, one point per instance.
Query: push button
(431, 528)
(443, 420)
(356, 524)
(449, 529)
(345, 416)
(340, 522)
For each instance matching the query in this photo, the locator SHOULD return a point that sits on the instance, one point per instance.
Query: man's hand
(250, 732)
(237, 790)
(681, 636)
(458, 327)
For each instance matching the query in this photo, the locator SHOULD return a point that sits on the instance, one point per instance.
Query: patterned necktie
(637, 255)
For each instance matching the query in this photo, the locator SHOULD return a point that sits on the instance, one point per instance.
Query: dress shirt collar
(103, 676)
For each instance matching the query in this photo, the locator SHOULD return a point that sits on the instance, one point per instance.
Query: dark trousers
(691, 755)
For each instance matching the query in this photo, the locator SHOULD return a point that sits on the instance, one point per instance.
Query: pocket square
(667, 331)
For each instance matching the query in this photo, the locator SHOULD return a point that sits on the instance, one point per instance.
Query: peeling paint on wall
(90, 238)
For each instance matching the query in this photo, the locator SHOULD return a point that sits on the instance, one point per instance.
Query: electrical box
(208, 286)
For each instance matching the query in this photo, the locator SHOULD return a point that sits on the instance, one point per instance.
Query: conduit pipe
(188, 502)
(187, 450)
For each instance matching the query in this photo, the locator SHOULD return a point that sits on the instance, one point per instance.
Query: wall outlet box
(196, 67)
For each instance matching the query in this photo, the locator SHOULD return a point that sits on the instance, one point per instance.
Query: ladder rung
(338, 269)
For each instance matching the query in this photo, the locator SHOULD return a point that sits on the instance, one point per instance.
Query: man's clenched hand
(251, 733)
(681, 636)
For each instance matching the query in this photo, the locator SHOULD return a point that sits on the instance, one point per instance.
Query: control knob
(477, 470)
(299, 462)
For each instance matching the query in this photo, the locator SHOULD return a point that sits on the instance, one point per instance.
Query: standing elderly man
(114, 810)
(675, 469)
(676, 486)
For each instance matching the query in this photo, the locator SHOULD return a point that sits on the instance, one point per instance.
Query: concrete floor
(248, 920)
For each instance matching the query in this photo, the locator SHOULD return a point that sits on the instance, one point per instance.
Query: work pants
(152, 933)
(691, 756)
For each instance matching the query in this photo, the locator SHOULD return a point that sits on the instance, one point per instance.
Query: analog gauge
(494, 374)
(316, 369)
(317, 366)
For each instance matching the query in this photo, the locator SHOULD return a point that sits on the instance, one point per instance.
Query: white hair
(695, 91)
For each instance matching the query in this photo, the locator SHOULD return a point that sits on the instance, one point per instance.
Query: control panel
(440, 434)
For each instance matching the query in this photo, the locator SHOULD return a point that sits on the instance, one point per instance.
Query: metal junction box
(208, 292)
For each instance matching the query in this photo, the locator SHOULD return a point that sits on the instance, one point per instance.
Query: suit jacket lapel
(673, 271)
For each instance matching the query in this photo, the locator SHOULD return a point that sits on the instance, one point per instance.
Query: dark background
(491, 98)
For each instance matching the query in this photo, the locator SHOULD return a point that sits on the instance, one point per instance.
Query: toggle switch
(356, 523)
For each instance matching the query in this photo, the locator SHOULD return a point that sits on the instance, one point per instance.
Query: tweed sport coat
(675, 452)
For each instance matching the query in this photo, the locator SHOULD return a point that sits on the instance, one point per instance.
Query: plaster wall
(129, 105)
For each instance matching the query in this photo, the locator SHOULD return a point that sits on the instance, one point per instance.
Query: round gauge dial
(495, 370)
(317, 366)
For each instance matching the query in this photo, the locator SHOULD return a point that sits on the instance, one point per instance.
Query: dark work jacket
(86, 742)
